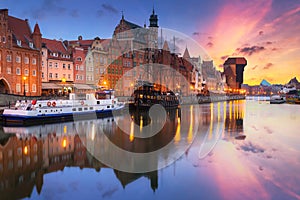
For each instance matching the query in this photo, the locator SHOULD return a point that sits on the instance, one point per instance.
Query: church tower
(153, 31)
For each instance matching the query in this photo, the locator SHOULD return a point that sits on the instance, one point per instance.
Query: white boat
(93, 105)
(277, 99)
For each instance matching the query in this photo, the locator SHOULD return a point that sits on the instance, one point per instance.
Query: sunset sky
(266, 33)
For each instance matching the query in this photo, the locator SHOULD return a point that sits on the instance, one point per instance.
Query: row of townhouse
(31, 65)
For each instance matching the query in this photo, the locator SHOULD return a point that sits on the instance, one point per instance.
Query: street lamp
(63, 80)
(24, 78)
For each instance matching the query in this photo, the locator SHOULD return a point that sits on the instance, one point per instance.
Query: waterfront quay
(240, 149)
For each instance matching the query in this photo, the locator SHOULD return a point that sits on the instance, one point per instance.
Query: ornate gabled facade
(20, 56)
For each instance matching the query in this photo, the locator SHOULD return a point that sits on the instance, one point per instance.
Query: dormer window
(19, 42)
(31, 45)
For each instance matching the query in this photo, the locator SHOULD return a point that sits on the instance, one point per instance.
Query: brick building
(20, 56)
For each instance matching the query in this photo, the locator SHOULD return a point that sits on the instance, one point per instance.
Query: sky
(265, 32)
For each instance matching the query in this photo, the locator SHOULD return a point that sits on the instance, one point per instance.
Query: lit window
(8, 70)
(18, 87)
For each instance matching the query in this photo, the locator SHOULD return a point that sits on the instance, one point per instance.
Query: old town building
(57, 67)
(20, 56)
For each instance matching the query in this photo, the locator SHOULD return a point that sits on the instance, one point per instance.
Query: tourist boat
(91, 105)
(277, 99)
(147, 94)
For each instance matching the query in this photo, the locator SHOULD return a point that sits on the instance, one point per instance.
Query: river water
(245, 149)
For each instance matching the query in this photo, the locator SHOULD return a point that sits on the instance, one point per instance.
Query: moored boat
(277, 99)
(98, 104)
(146, 95)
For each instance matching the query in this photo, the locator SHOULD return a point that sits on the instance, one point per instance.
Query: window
(18, 71)
(8, 70)
(18, 87)
(64, 75)
(26, 60)
(43, 75)
(79, 59)
(56, 75)
(34, 72)
(34, 61)
(50, 64)
(42, 63)
(56, 65)
(26, 88)
(77, 67)
(69, 66)
(26, 72)
(69, 76)
(30, 44)
(19, 43)
(50, 75)
(64, 66)
(18, 59)
(8, 58)
(3, 39)
(33, 87)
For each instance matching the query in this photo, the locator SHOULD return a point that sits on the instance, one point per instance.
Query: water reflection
(257, 165)
(28, 154)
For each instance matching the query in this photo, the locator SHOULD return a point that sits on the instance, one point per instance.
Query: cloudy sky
(266, 33)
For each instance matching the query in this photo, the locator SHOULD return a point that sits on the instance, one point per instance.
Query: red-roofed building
(20, 56)
(57, 67)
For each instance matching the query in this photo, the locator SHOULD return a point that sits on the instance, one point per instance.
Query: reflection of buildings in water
(26, 157)
(225, 117)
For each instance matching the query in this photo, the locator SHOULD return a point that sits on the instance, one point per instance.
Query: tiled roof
(56, 46)
(131, 25)
(20, 30)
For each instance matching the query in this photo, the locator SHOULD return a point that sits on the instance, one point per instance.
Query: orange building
(20, 56)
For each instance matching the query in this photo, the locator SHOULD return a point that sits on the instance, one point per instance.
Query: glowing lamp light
(64, 143)
(25, 150)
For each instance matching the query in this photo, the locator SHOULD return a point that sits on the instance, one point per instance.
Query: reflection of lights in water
(65, 129)
(64, 143)
(131, 135)
(141, 123)
(25, 150)
(230, 110)
(92, 131)
(211, 120)
(219, 111)
(190, 133)
(177, 137)
(224, 117)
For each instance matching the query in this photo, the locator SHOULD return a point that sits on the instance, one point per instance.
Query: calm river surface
(245, 149)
